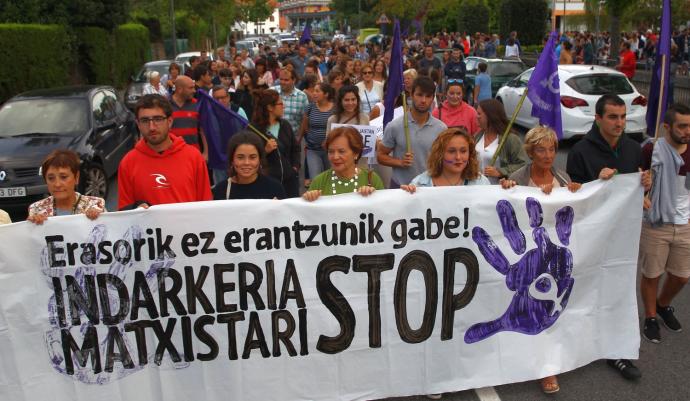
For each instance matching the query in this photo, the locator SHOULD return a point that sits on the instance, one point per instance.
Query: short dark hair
(327, 90)
(174, 66)
(482, 66)
(225, 73)
(425, 84)
(673, 111)
(216, 88)
(293, 74)
(193, 59)
(152, 102)
(199, 71)
(610, 99)
(61, 158)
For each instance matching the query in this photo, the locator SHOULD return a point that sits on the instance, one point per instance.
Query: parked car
(182, 59)
(580, 86)
(251, 45)
(138, 81)
(89, 120)
(500, 70)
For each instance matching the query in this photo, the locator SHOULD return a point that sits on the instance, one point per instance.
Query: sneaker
(434, 396)
(669, 319)
(626, 368)
(651, 330)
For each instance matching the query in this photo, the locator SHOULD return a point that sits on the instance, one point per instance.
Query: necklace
(74, 208)
(336, 180)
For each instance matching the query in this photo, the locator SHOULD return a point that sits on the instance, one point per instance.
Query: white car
(581, 86)
(182, 59)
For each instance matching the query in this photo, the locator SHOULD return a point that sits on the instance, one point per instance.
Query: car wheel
(94, 181)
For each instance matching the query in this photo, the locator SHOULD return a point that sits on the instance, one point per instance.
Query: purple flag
(306, 34)
(658, 90)
(543, 88)
(395, 84)
(219, 124)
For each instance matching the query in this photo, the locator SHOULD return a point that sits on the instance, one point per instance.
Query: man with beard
(423, 129)
(161, 168)
(665, 237)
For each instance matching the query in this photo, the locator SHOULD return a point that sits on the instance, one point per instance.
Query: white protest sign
(345, 298)
(368, 137)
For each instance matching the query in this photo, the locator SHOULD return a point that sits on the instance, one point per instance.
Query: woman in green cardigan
(344, 146)
(493, 122)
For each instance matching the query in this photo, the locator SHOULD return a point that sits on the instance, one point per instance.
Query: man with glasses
(161, 168)
(454, 112)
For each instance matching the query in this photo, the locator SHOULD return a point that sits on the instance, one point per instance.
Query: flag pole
(257, 132)
(657, 128)
(508, 127)
(406, 124)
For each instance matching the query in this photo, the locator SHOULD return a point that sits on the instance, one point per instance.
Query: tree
(615, 10)
(473, 16)
(527, 17)
(106, 13)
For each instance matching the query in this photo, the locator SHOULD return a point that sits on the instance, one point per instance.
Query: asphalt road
(665, 367)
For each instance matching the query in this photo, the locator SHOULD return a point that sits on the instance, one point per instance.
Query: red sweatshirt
(176, 175)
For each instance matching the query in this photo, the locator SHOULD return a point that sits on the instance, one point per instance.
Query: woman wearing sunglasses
(370, 91)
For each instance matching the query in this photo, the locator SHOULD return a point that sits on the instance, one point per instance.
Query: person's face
(155, 81)
(226, 81)
(612, 123)
(337, 82)
(429, 52)
(302, 51)
(286, 81)
(246, 80)
(222, 96)
(367, 74)
(174, 72)
(456, 155)
(357, 67)
(341, 156)
(421, 101)
(317, 94)
(309, 70)
(185, 89)
(277, 109)
(349, 102)
(214, 66)
(221, 54)
(260, 69)
(454, 95)
(289, 67)
(246, 161)
(206, 79)
(407, 80)
(238, 59)
(544, 154)
(203, 56)
(153, 125)
(482, 119)
(61, 182)
(350, 67)
(680, 130)
(379, 67)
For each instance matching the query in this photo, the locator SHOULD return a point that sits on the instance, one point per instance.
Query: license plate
(15, 192)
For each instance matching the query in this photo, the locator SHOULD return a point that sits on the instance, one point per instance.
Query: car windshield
(600, 84)
(505, 69)
(141, 76)
(43, 116)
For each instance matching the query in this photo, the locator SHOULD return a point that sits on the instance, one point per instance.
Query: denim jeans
(317, 162)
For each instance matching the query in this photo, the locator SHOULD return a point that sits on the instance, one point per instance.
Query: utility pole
(172, 23)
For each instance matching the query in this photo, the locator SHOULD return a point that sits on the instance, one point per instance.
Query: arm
(303, 128)
(375, 113)
(383, 156)
(513, 156)
(475, 93)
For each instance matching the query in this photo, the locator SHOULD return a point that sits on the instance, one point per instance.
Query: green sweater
(512, 157)
(324, 182)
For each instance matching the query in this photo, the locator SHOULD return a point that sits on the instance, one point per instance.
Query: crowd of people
(294, 96)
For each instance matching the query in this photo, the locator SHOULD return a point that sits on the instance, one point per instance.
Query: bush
(527, 17)
(131, 50)
(34, 56)
(474, 17)
(95, 49)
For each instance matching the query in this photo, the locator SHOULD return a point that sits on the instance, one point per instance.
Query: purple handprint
(541, 279)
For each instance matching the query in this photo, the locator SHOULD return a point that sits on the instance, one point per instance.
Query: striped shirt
(186, 122)
(316, 129)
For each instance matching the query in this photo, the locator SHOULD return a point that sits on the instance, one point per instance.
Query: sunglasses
(455, 81)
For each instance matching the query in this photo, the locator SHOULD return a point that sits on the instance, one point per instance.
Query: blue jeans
(317, 162)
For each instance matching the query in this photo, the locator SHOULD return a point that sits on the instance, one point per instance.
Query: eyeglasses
(156, 120)
(455, 81)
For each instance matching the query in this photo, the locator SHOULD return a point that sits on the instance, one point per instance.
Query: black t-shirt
(263, 188)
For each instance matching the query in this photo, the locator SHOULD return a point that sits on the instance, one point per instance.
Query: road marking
(487, 394)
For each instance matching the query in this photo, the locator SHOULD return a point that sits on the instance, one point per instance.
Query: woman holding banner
(541, 144)
(344, 146)
(246, 155)
(452, 162)
(492, 123)
(61, 173)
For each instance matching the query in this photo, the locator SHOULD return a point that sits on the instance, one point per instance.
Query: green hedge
(34, 56)
(95, 48)
(132, 48)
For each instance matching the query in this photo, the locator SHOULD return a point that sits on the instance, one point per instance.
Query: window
(600, 84)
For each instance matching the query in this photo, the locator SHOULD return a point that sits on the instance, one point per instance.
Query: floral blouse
(84, 203)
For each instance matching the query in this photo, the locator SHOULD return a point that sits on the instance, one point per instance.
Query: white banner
(345, 298)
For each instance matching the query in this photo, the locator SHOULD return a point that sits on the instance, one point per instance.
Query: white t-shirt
(512, 51)
(485, 154)
(682, 214)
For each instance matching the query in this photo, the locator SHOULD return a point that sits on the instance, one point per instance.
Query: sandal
(549, 385)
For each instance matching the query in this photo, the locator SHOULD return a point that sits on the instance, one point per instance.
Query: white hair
(153, 75)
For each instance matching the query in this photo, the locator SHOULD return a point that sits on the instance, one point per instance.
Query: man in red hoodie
(161, 168)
